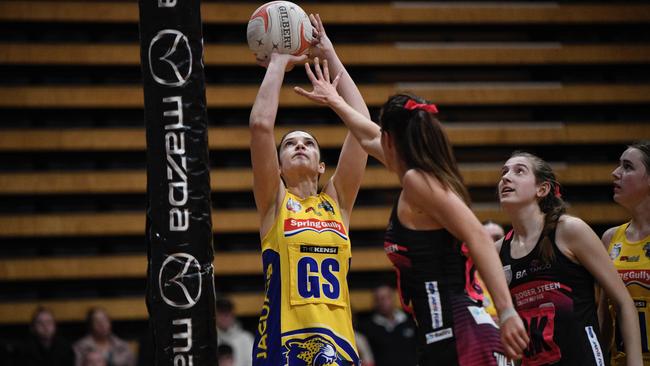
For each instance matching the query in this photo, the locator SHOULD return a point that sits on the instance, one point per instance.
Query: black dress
(434, 282)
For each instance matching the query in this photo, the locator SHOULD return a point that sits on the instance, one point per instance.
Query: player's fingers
(310, 74)
(326, 71)
(317, 69)
(321, 28)
(303, 92)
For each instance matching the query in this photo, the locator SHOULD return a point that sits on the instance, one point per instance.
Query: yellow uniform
(488, 304)
(632, 260)
(306, 317)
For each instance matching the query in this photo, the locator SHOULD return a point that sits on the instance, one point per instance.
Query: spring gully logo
(296, 226)
(170, 58)
(180, 280)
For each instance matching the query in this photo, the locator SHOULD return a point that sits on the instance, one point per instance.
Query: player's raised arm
(266, 173)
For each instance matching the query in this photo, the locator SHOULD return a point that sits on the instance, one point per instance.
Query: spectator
(44, 346)
(495, 230)
(231, 333)
(101, 339)
(94, 358)
(390, 332)
(225, 355)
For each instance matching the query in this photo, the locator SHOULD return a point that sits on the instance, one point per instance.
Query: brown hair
(89, 316)
(644, 147)
(552, 204)
(421, 142)
(39, 310)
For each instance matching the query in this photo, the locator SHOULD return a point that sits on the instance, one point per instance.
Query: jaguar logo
(313, 351)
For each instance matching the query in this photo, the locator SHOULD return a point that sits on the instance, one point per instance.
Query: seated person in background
(100, 338)
(390, 332)
(231, 333)
(224, 355)
(495, 230)
(94, 358)
(44, 346)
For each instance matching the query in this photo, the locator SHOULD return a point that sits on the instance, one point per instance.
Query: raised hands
(321, 47)
(324, 88)
(288, 61)
(322, 44)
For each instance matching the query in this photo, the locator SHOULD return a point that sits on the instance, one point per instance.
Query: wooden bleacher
(345, 13)
(566, 81)
(238, 220)
(237, 96)
(134, 265)
(460, 134)
(241, 179)
(403, 54)
(133, 308)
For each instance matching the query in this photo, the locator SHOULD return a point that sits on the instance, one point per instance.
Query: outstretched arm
(325, 92)
(266, 171)
(346, 180)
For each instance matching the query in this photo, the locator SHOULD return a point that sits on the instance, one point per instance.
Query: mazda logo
(170, 58)
(179, 280)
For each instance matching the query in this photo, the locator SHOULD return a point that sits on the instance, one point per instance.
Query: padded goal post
(180, 282)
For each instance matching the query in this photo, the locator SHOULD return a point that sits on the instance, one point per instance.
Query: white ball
(279, 26)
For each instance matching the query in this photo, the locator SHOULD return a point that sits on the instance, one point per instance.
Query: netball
(279, 26)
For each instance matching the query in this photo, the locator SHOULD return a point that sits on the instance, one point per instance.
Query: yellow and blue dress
(306, 317)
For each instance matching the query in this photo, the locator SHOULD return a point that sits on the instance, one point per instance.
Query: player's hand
(322, 44)
(286, 61)
(514, 337)
(324, 89)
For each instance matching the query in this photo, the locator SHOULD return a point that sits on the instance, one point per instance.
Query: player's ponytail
(421, 141)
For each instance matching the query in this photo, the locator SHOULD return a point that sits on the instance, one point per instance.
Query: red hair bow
(411, 105)
(558, 194)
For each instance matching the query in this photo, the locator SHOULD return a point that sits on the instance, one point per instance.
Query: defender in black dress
(430, 220)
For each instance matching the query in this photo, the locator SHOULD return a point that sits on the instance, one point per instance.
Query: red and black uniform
(556, 301)
(432, 271)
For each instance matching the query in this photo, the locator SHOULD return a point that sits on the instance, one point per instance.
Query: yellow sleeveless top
(632, 260)
(306, 314)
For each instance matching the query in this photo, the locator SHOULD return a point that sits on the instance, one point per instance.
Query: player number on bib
(316, 280)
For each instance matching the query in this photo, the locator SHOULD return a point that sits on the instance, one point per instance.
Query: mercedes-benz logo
(179, 280)
(170, 58)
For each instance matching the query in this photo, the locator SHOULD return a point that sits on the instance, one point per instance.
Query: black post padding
(180, 282)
